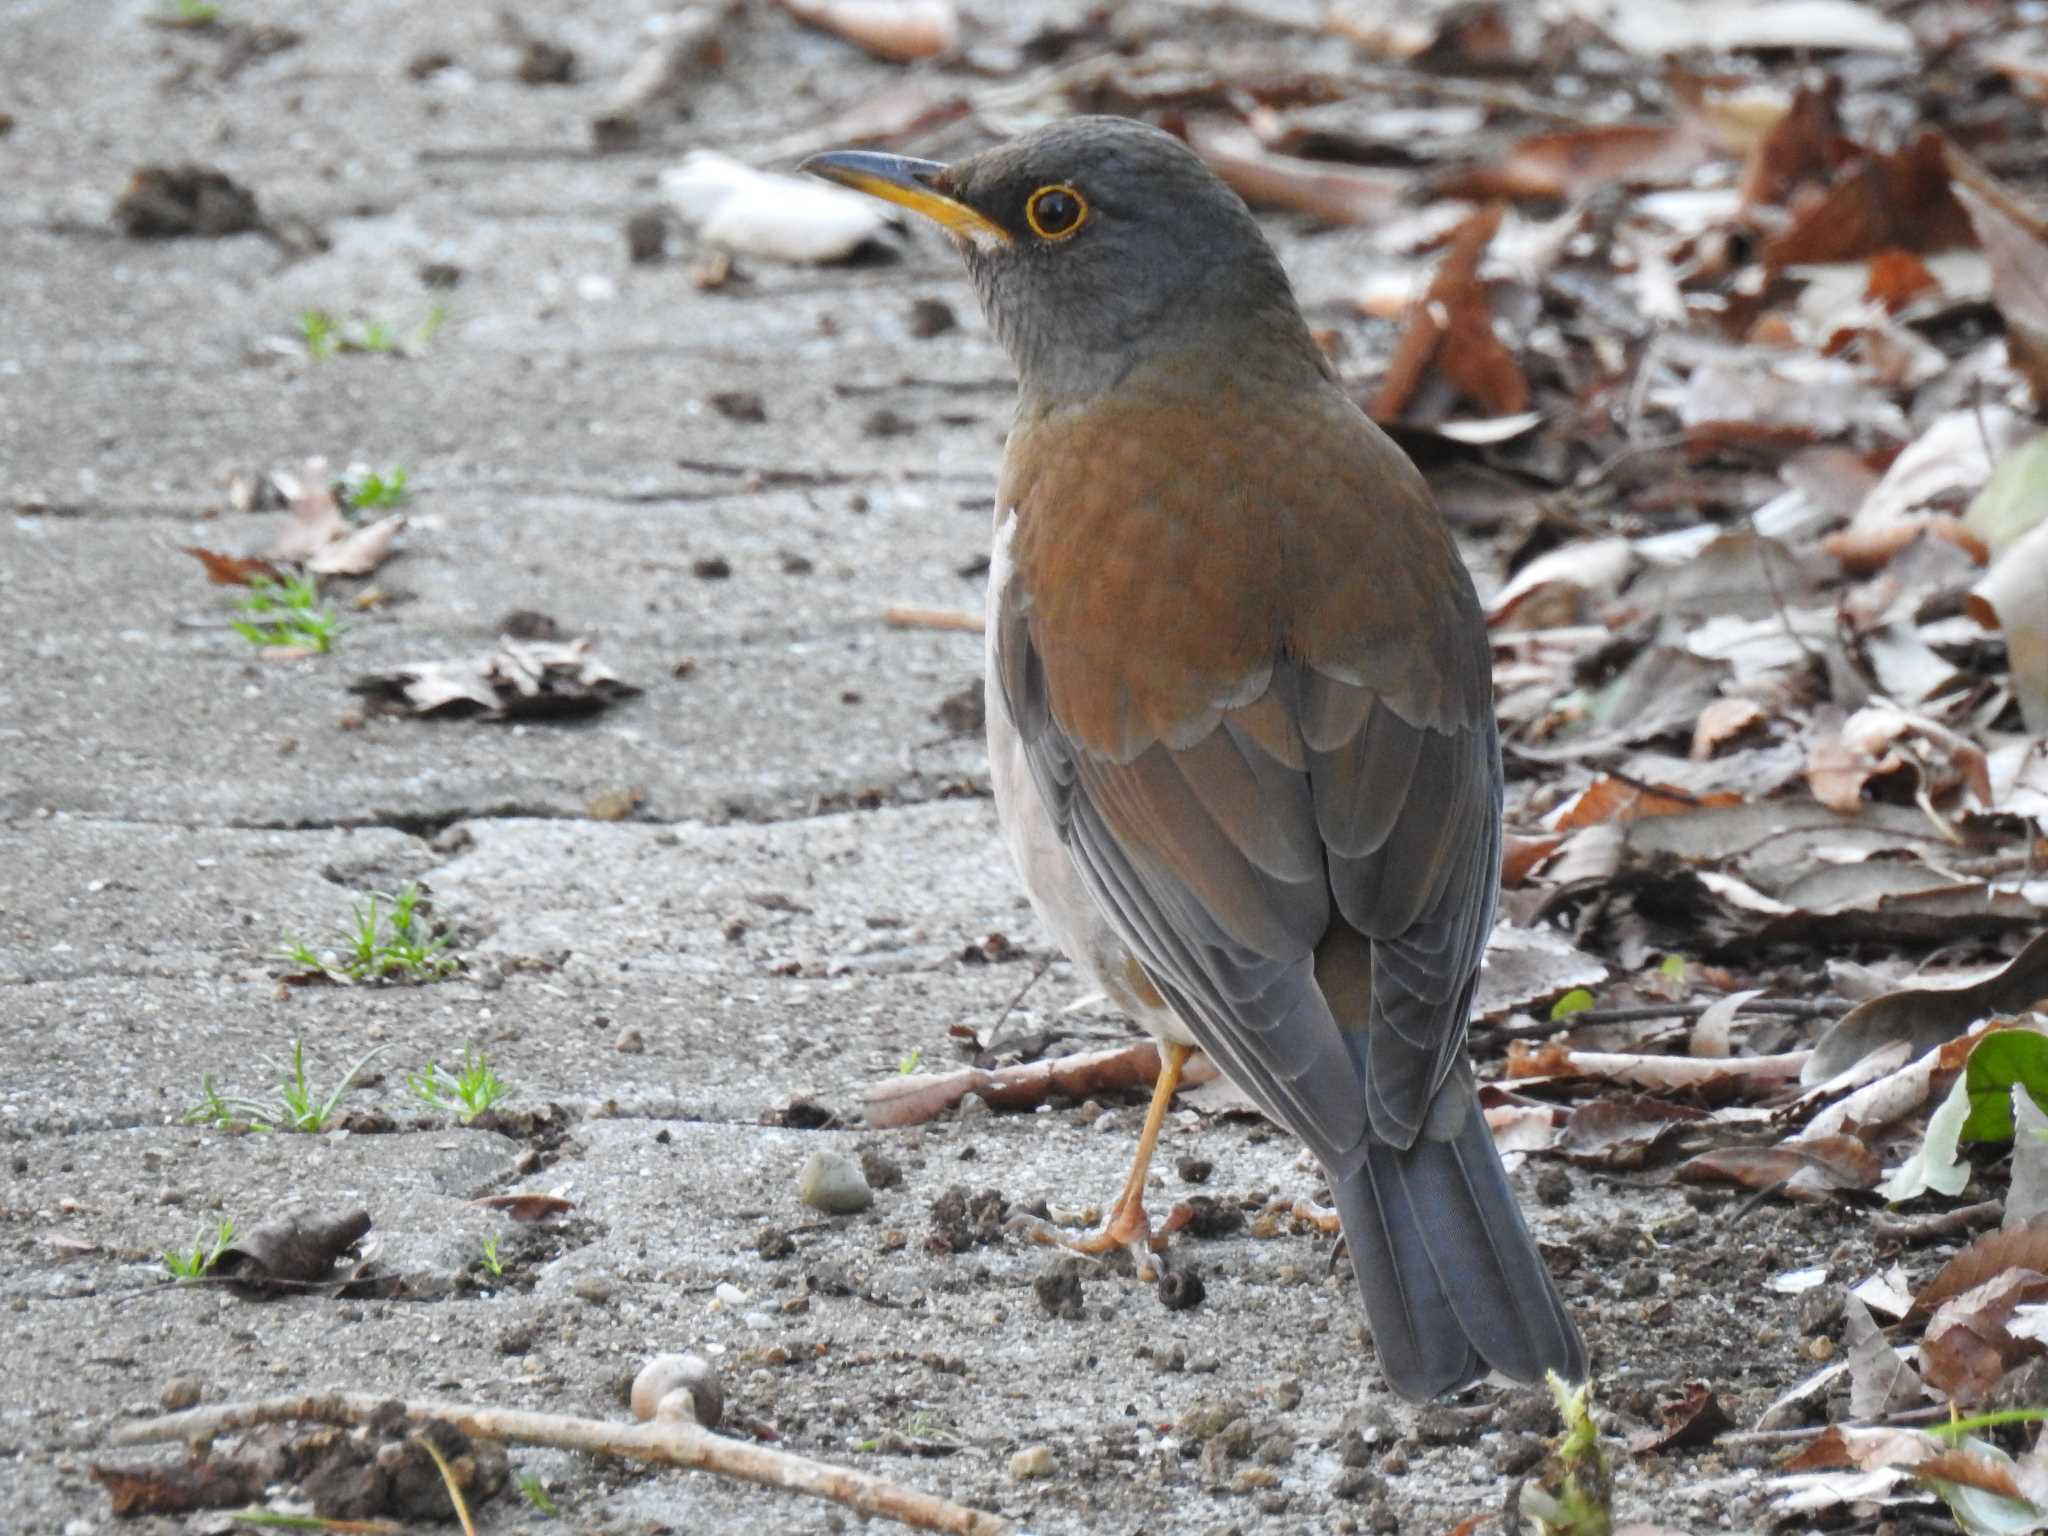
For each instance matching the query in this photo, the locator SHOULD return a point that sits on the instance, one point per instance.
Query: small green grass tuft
(202, 1256)
(465, 1094)
(286, 613)
(537, 1496)
(299, 1108)
(371, 489)
(492, 1262)
(193, 15)
(327, 335)
(387, 940)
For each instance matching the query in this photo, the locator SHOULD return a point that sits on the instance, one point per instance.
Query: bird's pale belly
(1050, 879)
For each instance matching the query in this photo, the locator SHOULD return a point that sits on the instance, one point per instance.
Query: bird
(1240, 713)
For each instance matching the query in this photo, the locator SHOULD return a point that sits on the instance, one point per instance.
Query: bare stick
(932, 618)
(671, 1442)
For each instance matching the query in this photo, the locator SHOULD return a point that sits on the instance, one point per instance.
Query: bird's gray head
(1099, 245)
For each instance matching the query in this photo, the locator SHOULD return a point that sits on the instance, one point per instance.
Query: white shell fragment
(763, 213)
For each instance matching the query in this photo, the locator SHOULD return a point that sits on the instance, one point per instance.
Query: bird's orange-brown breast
(1171, 544)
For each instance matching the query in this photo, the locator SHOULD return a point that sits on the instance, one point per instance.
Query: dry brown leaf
(897, 30)
(1933, 476)
(1926, 1017)
(1622, 1131)
(2023, 1247)
(232, 570)
(1807, 1169)
(1901, 200)
(1907, 1450)
(1522, 856)
(1967, 1348)
(1612, 799)
(1880, 740)
(1897, 278)
(1332, 192)
(218, 1482)
(1693, 1420)
(1804, 146)
(1451, 330)
(2016, 242)
(1723, 722)
(1575, 161)
(527, 1206)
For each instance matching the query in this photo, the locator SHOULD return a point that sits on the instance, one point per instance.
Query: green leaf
(2001, 1061)
(1578, 1000)
(1674, 967)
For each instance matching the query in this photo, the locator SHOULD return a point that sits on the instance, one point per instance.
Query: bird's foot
(1128, 1228)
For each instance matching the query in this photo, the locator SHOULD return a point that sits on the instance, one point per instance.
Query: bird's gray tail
(1453, 1284)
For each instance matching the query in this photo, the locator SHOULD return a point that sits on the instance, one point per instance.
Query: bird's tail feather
(1452, 1281)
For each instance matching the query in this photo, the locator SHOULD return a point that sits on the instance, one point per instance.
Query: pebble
(630, 1042)
(1032, 1461)
(833, 1182)
(178, 1393)
(593, 1288)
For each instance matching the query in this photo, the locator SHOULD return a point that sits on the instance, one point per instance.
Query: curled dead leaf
(1925, 1017)
(1807, 1169)
(1451, 331)
(897, 30)
(1332, 192)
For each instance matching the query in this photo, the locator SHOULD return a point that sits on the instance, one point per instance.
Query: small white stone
(833, 1182)
(1032, 1461)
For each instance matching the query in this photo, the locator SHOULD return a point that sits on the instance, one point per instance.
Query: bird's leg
(1127, 1225)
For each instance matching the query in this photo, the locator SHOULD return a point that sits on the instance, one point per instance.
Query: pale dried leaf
(315, 520)
(2026, 1196)
(1653, 28)
(898, 30)
(2013, 598)
(1933, 1012)
(761, 213)
(1565, 586)
(1334, 193)
(1527, 965)
(361, 551)
(1661, 1074)
(1881, 1380)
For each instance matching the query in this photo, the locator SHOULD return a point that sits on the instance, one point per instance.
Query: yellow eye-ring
(1055, 212)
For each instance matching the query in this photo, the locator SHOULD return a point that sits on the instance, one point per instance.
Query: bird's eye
(1055, 212)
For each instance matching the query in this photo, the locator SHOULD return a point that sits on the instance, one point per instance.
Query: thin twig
(959, 619)
(1644, 1013)
(672, 1442)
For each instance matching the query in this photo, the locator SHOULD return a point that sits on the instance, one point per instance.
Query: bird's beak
(908, 183)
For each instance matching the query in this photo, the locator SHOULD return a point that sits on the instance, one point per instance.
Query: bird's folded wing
(1309, 884)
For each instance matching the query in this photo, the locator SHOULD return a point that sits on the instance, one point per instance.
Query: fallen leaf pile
(521, 679)
(316, 538)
